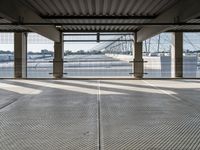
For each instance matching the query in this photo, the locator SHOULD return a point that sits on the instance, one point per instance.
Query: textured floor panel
(140, 121)
(53, 120)
(7, 98)
(135, 115)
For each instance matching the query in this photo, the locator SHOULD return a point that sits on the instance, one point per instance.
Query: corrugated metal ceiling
(99, 7)
(98, 27)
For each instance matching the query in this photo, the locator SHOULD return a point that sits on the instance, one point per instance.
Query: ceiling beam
(94, 31)
(99, 17)
(184, 30)
(14, 11)
(98, 24)
(99, 30)
(181, 12)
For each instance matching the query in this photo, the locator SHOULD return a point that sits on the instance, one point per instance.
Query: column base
(138, 68)
(58, 68)
(57, 76)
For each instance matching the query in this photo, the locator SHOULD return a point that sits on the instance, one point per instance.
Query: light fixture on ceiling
(58, 26)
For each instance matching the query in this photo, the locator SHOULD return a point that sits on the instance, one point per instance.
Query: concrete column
(20, 54)
(177, 55)
(58, 59)
(138, 60)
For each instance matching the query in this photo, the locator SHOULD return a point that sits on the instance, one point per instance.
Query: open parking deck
(99, 114)
(111, 75)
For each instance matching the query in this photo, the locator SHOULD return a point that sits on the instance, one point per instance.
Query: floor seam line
(99, 114)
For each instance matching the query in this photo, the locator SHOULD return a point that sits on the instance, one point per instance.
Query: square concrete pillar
(58, 59)
(177, 55)
(20, 54)
(138, 60)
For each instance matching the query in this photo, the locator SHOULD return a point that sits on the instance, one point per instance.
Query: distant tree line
(189, 51)
(43, 51)
(83, 52)
(29, 52)
(5, 52)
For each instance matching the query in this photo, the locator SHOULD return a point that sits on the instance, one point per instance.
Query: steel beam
(181, 12)
(14, 11)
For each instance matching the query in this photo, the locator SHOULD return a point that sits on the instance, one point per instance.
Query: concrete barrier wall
(162, 63)
(121, 57)
(152, 62)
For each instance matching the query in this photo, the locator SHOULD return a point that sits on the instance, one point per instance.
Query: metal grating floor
(106, 114)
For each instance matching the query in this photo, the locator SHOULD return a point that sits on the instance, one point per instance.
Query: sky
(37, 42)
(191, 41)
(75, 47)
(50, 47)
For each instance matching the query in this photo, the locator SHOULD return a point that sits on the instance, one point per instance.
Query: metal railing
(39, 69)
(101, 66)
(96, 66)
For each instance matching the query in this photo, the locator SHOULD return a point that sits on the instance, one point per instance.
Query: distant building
(45, 51)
